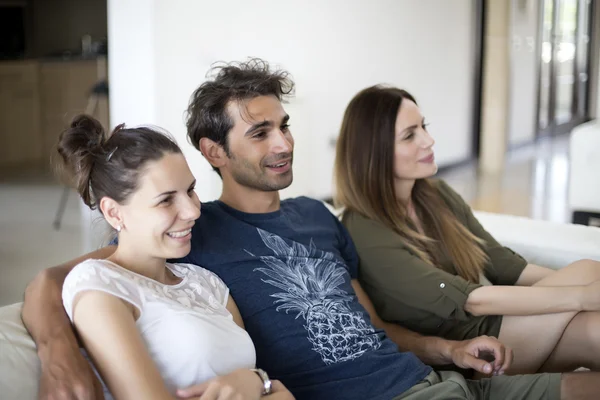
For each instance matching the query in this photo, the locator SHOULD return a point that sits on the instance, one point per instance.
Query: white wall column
(496, 80)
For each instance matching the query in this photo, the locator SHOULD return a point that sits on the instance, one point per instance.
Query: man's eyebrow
(257, 126)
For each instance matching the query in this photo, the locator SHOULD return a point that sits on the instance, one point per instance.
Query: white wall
(332, 48)
(594, 105)
(524, 56)
(131, 63)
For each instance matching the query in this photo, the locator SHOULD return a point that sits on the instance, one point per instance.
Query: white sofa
(545, 243)
(584, 164)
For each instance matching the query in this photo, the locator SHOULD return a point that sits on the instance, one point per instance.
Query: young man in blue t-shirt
(292, 270)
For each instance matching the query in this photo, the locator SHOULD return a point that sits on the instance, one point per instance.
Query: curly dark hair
(236, 81)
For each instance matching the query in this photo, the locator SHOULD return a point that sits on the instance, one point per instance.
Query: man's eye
(259, 135)
(285, 127)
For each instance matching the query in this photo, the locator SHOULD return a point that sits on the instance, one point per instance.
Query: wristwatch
(265, 379)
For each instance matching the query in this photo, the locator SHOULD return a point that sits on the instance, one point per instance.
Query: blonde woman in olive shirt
(427, 263)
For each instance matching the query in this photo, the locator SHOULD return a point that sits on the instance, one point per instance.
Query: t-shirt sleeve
(346, 247)
(505, 266)
(95, 275)
(398, 279)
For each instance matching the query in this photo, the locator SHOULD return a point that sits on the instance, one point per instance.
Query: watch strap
(264, 377)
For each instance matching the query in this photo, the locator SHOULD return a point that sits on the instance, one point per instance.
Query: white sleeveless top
(187, 329)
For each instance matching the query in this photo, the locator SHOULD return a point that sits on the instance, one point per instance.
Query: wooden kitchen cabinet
(20, 136)
(38, 99)
(65, 88)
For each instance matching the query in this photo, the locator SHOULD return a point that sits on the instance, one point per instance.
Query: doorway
(564, 65)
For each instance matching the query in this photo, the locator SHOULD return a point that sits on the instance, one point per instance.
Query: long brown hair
(364, 178)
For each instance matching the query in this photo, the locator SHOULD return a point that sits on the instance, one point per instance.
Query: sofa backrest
(19, 363)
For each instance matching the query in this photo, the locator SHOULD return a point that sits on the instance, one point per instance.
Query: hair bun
(78, 147)
(91, 127)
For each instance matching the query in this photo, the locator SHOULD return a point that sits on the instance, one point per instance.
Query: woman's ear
(112, 212)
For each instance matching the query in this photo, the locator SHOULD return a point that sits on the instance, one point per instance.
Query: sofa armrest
(584, 164)
(549, 244)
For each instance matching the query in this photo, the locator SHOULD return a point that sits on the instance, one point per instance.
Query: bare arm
(235, 312)
(532, 274)
(108, 330)
(434, 350)
(63, 367)
(519, 300)
(43, 313)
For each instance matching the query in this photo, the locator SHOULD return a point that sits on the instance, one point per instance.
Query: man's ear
(213, 152)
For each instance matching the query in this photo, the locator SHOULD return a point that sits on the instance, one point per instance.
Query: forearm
(43, 313)
(516, 300)
(532, 274)
(432, 350)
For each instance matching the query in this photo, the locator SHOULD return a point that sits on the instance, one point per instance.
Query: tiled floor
(28, 241)
(534, 184)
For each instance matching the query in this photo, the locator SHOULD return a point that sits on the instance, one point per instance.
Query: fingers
(212, 393)
(477, 364)
(192, 391)
(219, 392)
(277, 386)
(492, 350)
(507, 361)
(499, 353)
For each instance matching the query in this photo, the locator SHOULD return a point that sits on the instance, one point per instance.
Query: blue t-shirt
(289, 272)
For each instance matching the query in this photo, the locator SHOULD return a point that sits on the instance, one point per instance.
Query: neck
(249, 200)
(148, 266)
(403, 189)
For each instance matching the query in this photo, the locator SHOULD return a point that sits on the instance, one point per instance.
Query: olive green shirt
(419, 296)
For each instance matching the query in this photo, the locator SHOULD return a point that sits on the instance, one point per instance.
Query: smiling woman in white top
(151, 327)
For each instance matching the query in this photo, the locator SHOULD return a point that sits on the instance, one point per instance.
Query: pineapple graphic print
(310, 281)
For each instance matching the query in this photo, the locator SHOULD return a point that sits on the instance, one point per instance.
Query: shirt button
(442, 285)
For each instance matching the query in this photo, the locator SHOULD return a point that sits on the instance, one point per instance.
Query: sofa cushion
(19, 363)
(546, 243)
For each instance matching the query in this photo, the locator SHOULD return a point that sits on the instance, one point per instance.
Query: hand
(67, 375)
(484, 354)
(279, 392)
(241, 384)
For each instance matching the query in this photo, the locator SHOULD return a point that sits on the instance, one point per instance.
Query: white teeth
(280, 165)
(179, 234)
